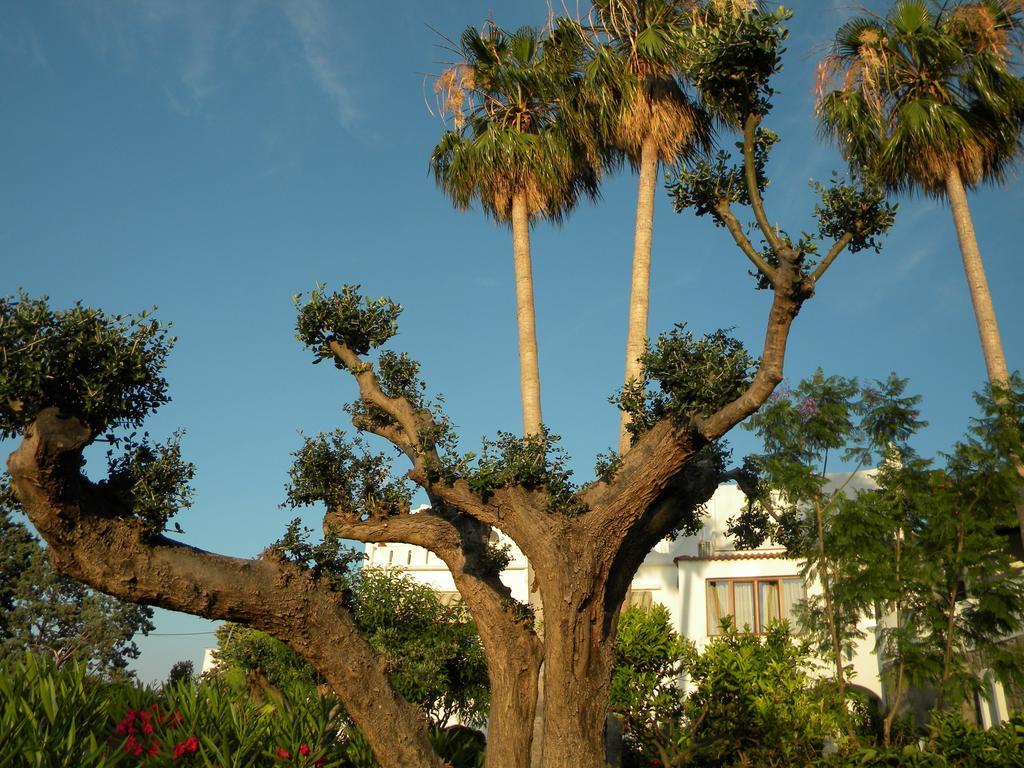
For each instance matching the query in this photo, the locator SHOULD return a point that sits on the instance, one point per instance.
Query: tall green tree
(641, 112)
(511, 150)
(44, 611)
(923, 549)
(930, 98)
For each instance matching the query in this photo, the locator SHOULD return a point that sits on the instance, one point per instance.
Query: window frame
(754, 581)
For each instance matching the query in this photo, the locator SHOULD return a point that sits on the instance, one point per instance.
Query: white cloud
(313, 22)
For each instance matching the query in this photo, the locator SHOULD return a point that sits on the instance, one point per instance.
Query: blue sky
(213, 159)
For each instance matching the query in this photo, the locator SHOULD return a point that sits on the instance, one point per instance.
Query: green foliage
(458, 746)
(46, 612)
(150, 479)
(253, 661)
(694, 378)
(948, 743)
(706, 182)
(345, 476)
(925, 550)
(328, 560)
(858, 209)
(58, 718)
(535, 462)
(433, 653)
(181, 672)
(731, 56)
(358, 322)
(754, 702)
(606, 465)
(106, 370)
(644, 687)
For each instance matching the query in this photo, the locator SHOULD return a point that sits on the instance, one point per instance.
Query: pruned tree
(74, 376)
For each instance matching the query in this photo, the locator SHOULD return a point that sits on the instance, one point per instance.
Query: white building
(698, 578)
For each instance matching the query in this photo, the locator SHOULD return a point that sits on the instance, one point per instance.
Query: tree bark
(981, 299)
(529, 369)
(92, 540)
(977, 284)
(639, 293)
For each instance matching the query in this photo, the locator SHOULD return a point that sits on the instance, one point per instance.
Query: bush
(58, 717)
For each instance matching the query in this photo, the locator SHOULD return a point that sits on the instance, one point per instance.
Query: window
(752, 603)
(639, 598)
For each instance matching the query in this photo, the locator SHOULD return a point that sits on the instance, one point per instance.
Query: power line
(177, 634)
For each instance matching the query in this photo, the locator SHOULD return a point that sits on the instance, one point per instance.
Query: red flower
(187, 747)
(320, 763)
(283, 753)
(304, 749)
(147, 727)
(655, 763)
(154, 749)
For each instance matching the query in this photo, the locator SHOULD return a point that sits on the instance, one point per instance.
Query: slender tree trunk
(826, 588)
(981, 298)
(897, 697)
(984, 312)
(529, 370)
(894, 706)
(639, 294)
(947, 656)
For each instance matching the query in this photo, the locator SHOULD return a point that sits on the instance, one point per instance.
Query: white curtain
(718, 605)
(743, 597)
(768, 603)
(792, 593)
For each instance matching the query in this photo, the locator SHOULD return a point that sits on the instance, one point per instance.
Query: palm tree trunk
(529, 370)
(984, 312)
(639, 294)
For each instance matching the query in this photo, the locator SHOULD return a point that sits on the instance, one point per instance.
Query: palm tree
(930, 102)
(510, 150)
(643, 116)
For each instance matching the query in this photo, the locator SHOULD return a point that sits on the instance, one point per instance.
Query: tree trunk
(529, 370)
(577, 649)
(826, 588)
(577, 676)
(639, 294)
(981, 298)
(984, 312)
(513, 674)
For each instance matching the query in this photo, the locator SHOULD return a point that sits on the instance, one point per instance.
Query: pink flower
(304, 749)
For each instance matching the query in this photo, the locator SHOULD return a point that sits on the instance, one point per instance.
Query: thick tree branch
(833, 253)
(753, 191)
(513, 650)
(732, 224)
(93, 539)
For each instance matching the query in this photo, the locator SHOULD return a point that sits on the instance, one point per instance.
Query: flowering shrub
(64, 718)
